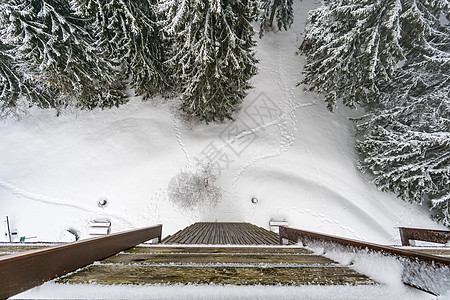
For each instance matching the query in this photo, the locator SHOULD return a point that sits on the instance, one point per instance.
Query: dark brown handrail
(308, 236)
(413, 262)
(420, 234)
(20, 272)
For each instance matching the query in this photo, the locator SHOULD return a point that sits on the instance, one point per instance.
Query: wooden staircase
(217, 265)
(221, 254)
(198, 255)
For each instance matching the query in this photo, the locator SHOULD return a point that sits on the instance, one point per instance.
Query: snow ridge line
(41, 198)
(55, 201)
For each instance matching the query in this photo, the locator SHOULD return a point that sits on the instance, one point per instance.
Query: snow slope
(284, 148)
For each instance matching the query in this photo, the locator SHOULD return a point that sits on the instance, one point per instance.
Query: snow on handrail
(20, 272)
(427, 272)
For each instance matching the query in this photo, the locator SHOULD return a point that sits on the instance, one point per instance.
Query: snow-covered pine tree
(17, 93)
(283, 11)
(212, 58)
(408, 159)
(352, 45)
(392, 57)
(406, 136)
(147, 68)
(51, 46)
(128, 36)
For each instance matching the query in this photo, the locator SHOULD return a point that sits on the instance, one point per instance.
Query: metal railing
(20, 272)
(423, 271)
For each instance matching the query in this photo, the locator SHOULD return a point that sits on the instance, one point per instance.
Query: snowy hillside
(285, 148)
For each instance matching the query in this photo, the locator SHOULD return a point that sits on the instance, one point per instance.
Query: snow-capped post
(212, 58)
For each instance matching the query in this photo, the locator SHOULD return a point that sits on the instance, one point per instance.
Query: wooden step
(10, 248)
(216, 258)
(217, 265)
(223, 275)
(231, 250)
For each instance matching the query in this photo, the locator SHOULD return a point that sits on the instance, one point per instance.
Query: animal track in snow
(286, 122)
(180, 142)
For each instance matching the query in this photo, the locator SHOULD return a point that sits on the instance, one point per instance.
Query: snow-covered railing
(424, 271)
(419, 234)
(20, 272)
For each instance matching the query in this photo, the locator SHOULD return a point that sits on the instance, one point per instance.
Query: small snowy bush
(195, 189)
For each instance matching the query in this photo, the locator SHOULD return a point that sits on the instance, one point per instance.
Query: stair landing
(211, 233)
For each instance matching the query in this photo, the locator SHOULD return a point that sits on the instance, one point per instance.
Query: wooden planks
(223, 234)
(138, 275)
(218, 250)
(14, 248)
(218, 258)
(217, 265)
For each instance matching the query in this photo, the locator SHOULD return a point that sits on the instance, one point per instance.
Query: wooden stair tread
(217, 265)
(223, 275)
(217, 258)
(19, 248)
(212, 249)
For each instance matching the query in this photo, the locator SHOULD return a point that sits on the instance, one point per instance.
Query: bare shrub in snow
(195, 189)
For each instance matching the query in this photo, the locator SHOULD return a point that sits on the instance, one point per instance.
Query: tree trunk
(275, 5)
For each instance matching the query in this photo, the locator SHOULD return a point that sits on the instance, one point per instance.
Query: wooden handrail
(20, 272)
(413, 262)
(420, 234)
(308, 236)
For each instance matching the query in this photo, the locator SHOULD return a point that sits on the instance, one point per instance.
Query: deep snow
(284, 148)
